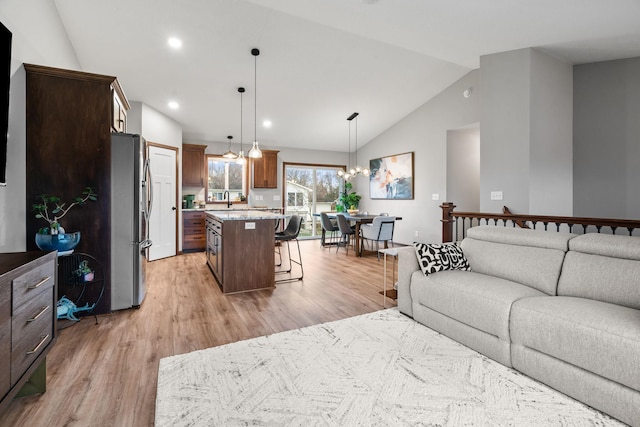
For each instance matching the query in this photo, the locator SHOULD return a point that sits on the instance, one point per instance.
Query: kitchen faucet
(227, 196)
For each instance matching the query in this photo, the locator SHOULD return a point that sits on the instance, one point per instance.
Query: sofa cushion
(626, 247)
(532, 266)
(521, 237)
(604, 268)
(440, 257)
(595, 336)
(480, 301)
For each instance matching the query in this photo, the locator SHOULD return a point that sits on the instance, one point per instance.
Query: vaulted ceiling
(322, 60)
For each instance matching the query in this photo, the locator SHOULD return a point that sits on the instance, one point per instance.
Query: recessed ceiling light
(175, 42)
(173, 105)
(266, 123)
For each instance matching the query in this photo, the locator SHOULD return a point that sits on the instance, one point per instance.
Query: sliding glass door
(309, 190)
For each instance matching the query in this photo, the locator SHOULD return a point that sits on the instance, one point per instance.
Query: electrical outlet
(496, 195)
(435, 196)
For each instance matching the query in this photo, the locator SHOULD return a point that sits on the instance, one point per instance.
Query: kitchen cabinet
(193, 231)
(240, 249)
(265, 170)
(214, 247)
(193, 167)
(69, 122)
(118, 109)
(28, 295)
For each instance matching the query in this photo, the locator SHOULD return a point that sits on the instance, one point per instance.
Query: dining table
(358, 219)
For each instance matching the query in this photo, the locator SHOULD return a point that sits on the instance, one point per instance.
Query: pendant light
(229, 154)
(241, 159)
(255, 152)
(356, 170)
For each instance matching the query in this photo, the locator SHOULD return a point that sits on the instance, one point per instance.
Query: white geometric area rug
(377, 369)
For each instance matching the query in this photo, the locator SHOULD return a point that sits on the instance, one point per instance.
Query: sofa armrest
(407, 265)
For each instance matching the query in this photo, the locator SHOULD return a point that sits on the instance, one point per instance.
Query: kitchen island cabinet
(240, 249)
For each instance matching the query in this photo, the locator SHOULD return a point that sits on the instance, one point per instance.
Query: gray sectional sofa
(562, 308)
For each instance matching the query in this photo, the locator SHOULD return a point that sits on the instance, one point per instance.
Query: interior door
(163, 220)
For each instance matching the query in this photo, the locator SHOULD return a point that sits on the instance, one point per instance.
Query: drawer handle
(44, 339)
(40, 283)
(42, 311)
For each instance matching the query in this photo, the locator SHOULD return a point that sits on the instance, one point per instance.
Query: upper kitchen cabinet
(193, 167)
(119, 108)
(265, 170)
(70, 116)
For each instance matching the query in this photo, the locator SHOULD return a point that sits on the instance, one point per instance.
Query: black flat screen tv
(5, 80)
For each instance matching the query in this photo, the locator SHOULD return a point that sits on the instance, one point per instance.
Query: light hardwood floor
(105, 374)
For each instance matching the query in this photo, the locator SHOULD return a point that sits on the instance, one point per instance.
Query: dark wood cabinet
(118, 110)
(241, 253)
(69, 120)
(193, 231)
(28, 295)
(265, 170)
(193, 167)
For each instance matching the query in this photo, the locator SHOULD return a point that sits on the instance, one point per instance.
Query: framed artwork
(391, 177)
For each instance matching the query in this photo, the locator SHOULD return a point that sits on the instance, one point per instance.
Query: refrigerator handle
(148, 205)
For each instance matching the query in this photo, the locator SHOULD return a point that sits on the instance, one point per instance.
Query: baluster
(545, 225)
(504, 222)
(495, 221)
(570, 228)
(598, 227)
(613, 229)
(534, 224)
(584, 228)
(630, 231)
(557, 227)
(464, 227)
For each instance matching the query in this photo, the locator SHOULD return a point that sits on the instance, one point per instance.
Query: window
(225, 175)
(311, 189)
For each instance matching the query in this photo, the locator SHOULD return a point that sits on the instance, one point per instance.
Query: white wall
(526, 133)
(425, 133)
(606, 144)
(38, 38)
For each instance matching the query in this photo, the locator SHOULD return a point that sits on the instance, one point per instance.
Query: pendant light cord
(255, 97)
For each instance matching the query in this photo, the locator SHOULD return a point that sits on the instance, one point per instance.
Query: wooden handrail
(450, 217)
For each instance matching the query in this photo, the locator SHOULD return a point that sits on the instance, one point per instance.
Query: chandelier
(353, 171)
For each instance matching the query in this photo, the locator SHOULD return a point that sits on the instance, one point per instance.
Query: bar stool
(291, 233)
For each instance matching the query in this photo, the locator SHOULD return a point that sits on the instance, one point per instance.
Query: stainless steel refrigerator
(131, 203)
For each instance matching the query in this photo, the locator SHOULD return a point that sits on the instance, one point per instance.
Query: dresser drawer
(31, 283)
(191, 230)
(28, 349)
(34, 317)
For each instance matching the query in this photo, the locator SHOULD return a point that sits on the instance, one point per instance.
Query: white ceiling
(321, 60)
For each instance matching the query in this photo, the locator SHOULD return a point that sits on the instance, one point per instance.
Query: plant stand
(78, 297)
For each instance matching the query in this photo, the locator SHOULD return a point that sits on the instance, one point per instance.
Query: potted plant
(350, 200)
(84, 273)
(52, 209)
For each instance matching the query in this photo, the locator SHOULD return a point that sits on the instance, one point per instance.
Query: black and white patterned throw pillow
(439, 257)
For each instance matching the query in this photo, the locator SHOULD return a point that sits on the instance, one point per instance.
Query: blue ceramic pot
(58, 242)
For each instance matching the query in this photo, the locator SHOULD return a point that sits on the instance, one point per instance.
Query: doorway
(310, 189)
(463, 168)
(163, 224)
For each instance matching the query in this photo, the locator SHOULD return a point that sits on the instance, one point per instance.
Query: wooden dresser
(28, 296)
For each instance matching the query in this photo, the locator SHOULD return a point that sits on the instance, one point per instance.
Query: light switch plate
(496, 195)
(249, 225)
(435, 196)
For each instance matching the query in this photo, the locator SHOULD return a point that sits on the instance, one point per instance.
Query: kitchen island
(240, 248)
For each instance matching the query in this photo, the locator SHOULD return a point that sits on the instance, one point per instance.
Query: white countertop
(232, 208)
(244, 215)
